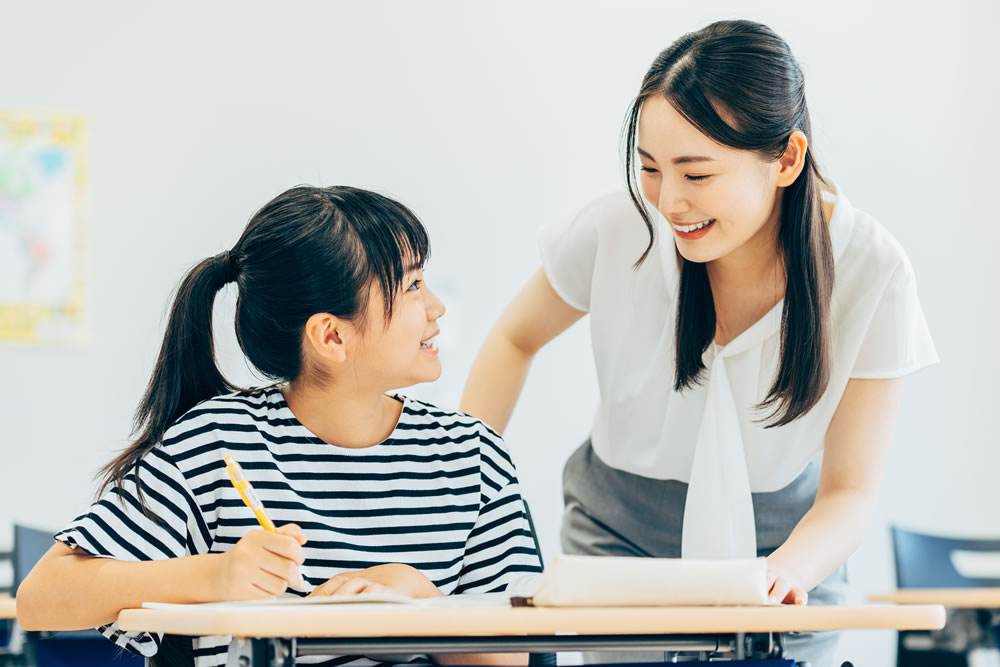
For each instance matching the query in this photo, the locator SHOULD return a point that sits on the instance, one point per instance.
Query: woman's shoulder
(861, 244)
(614, 211)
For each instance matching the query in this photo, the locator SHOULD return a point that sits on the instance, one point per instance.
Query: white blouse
(709, 436)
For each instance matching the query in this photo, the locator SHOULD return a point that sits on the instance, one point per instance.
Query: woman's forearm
(496, 380)
(824, 538)
(71, 591)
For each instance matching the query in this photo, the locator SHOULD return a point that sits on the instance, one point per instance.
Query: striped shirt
(439, 494)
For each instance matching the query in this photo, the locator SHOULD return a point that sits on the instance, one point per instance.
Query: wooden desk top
(955, 598)
(403, 621)
(8, 609)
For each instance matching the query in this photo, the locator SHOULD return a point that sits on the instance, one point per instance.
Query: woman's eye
(697, 178)
(648, 170)
(415, 286)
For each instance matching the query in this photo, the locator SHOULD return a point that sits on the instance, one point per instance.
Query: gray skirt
(614, 513)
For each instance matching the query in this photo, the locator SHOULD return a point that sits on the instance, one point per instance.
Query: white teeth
(691, 228)
(428, 343)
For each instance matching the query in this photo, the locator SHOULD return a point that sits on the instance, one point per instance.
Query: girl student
(749, 329)
(373, 491)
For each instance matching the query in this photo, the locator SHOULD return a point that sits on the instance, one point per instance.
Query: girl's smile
(427, 345)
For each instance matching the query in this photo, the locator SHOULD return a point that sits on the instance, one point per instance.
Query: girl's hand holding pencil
(261, 565)
(264, 562)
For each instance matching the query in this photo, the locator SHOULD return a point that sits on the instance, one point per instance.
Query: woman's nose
(672, 204)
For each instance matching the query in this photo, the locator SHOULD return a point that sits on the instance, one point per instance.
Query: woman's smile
(690, 231)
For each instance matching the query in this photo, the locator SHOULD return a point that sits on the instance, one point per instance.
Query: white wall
(489, 119)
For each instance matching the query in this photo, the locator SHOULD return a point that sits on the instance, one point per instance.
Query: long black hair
(738, 83)
(309, 250)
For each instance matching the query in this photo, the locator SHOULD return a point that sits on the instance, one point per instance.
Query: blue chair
(83, 648)
(927, 561)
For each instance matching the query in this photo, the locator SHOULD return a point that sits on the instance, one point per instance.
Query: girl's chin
(428, 372)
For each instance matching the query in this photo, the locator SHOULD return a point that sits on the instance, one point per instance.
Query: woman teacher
(750, 327)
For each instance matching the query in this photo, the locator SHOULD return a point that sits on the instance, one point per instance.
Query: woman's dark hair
(738, 83)
(309, 250)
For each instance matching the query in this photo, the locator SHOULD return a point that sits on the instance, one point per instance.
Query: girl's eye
(415, 286)
(697, 178)
(648, 170)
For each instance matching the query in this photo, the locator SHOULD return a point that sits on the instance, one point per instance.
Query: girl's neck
(353, 419)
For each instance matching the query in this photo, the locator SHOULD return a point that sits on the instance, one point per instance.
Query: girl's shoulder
(422, 413)
(448, 426)
(244, 410)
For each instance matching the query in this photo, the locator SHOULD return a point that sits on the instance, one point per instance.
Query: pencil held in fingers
(261, 565)
(251, 500)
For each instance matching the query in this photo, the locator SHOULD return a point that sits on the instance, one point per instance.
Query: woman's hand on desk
(389, 578)
(781, 587)
(261, 565)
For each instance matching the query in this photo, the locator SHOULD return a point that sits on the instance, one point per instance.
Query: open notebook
(602, 581)
(464, 601)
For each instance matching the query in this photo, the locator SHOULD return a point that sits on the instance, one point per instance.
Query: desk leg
(261, 653)
(759, 646)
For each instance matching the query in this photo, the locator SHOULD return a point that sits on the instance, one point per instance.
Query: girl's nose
(435, 306)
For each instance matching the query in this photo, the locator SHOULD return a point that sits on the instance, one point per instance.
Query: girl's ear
(325, 336)
(790, 164)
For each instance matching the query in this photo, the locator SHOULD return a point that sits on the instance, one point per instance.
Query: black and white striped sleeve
(117, 527)
(500, 547)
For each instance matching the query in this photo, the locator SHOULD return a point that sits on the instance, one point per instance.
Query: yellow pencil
(247, 493)
(249, 497)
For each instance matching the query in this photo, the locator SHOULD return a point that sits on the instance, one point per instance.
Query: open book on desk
(608, 581)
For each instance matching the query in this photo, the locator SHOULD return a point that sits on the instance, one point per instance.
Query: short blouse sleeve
(151, 515)
(898, 341)
(569, 252)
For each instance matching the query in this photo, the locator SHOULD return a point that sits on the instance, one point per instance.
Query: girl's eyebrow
(684, 159)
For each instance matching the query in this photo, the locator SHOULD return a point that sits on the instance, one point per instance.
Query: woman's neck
(351, 419)
(748, 282)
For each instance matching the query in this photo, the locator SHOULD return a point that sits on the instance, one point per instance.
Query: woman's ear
(790, 164)
(326, 336)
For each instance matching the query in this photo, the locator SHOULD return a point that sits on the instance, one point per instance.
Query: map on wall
(42, 227)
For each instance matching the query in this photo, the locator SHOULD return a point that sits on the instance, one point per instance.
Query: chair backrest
(534, 533)
(30, 544)
(926, 561)
(537, 659)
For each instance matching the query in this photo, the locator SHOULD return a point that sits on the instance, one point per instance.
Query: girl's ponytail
(185, 373)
